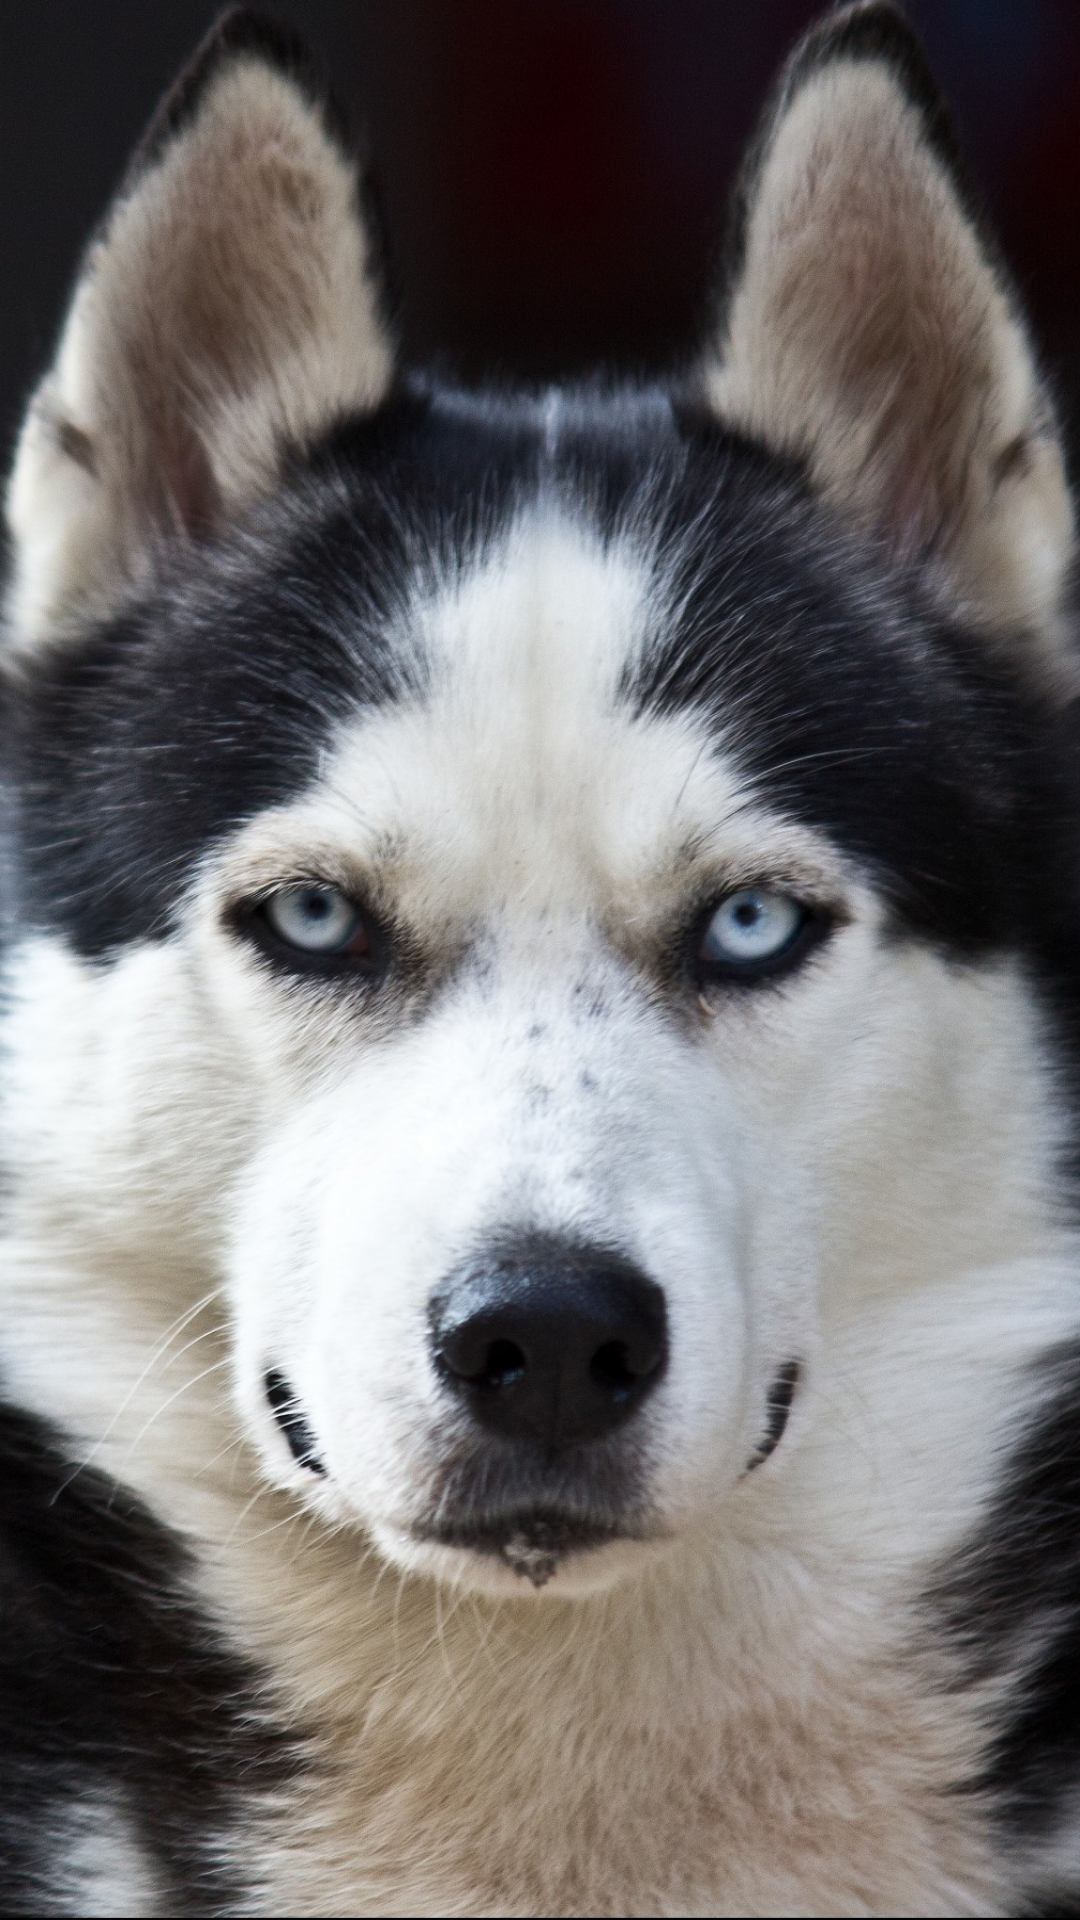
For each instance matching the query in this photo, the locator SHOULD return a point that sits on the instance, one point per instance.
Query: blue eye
(316, 919)
(750, 930)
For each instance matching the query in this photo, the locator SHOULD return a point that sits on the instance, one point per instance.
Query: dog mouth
(532, 1542)
(531, 1536)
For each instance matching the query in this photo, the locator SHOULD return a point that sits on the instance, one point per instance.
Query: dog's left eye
(316, 920)
(751, 932)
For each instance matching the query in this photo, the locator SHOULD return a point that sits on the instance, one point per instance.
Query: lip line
(565, 1534)
(531, 1546)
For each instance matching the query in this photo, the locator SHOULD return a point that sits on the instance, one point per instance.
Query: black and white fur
(537, 679)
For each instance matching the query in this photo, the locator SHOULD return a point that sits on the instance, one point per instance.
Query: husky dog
(541, 1282)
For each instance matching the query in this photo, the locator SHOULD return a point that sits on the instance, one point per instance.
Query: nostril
(503, 1364)
(618, 1372)
(474, 1355)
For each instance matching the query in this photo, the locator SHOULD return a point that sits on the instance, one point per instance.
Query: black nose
(550, 1342)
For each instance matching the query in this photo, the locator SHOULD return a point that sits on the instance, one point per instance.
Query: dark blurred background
(554, 172)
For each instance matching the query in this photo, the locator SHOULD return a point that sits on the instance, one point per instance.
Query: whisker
(176, 1327)
(185, 1387)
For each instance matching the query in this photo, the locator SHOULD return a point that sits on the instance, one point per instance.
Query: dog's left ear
(870, 330)
(226, 312)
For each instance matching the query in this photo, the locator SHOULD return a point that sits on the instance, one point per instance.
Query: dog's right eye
(318, 921)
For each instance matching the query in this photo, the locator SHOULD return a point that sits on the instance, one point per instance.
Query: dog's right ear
(226, 311)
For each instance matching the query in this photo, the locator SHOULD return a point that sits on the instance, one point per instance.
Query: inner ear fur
(871, 331)
(226, 311)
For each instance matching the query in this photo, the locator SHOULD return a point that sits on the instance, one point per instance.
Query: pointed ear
(226, 310)
(870, 329)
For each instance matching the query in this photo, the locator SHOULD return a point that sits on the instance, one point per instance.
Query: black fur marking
(847, 701)
(132, 752)
(852, 706)
(115, 1686)
(1060, 1904)
(778, 1403)
(1010, 1605)
(287, 1412)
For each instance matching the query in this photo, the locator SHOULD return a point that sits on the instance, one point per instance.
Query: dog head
(515, 889)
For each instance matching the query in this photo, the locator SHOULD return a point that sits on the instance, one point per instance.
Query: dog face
(510, 1313)
(524, 889)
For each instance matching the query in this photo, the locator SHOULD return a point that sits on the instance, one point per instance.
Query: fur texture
(531, 689)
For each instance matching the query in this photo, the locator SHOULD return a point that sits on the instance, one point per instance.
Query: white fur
(105, 1870)
(871, 1193)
